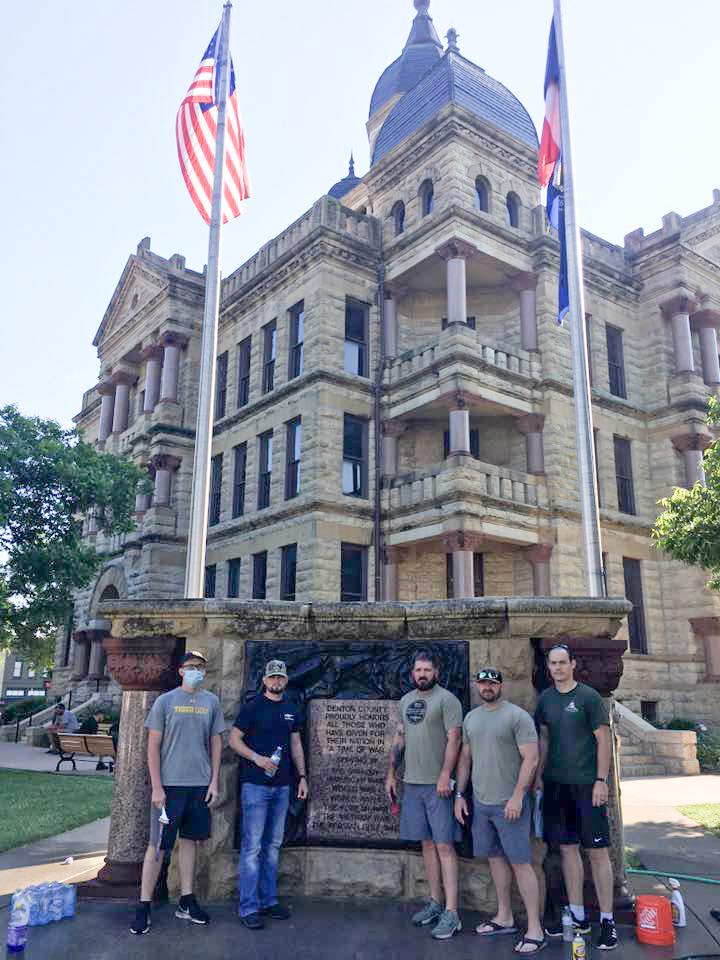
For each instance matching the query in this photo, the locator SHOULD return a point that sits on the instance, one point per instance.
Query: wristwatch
(459, 795)
(601, 780)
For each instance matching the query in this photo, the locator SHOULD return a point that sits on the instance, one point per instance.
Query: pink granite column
(692, 445)
(706, 323)
(391, 431)
(532, 426)
(81, 654)
(539, 556)
(525, 285)
(708, 629)
(678, 310)
(123, 382)
(459, 424)
(107, 407)
(163, 465)
(390, 573)
(153, 365)
(455, 253)
(172, 344)
(101, 629)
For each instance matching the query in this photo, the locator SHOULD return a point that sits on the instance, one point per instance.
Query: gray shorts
(425, 815)
(494, 836)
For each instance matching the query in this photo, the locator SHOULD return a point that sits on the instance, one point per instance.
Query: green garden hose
(677, 876)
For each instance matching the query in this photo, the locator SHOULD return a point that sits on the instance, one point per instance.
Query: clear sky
(89, 165)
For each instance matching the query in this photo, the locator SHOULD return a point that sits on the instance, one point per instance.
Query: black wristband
(601, 780)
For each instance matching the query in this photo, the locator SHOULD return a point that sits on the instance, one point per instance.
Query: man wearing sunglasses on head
(500, 744)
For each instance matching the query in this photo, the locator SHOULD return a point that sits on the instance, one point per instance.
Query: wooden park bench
(84, 746)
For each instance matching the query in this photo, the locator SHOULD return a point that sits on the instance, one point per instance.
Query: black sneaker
(579, 926)
(141, 923)
(276, 912)
(608, 938)
(191, 911)
(253, 921)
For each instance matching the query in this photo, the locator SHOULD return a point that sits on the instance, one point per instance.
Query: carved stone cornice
(523, 281)
(599, 659)
(691, 441)
(142, 663)
(706, 318)
(393, 428)
(461, 540)
(164, 461)
(679, 303)
(174, 338)
(531, 423)
(456, 249)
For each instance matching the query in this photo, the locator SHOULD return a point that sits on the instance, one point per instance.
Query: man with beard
(500, 744)
(428, 735)
(266, 724)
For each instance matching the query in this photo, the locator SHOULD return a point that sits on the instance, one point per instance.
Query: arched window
(110, 593)
(512, 206)
(427, 197)
(398, 215)
(482, 194)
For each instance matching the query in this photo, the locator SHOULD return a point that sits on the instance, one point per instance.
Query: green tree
(689, 526)
(49, 481)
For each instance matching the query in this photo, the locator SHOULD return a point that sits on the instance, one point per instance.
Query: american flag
(196, 128)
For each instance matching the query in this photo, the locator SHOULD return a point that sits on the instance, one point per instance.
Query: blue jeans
(264, 810)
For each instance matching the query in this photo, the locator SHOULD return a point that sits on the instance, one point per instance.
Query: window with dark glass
(482, 194)
(478, 575)
(512, 210)
(474, 443)
(269, 347)
(449, 577)
(353, 572)
(356, 333)
(292, 458)
(616, 361)
(427, 197)
(210, 578)
(648, 710)
(233, 578)
(398, 215)
(216, 468)
(239, 465)
(624, 475)
(634, 593)
(354, 469)
(470, 321)
(259, 575)
(265, 442)
(288, 568)
(244, 355)
(221, 385)
(297, 340)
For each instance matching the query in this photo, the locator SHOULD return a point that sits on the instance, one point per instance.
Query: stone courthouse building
(394, 414)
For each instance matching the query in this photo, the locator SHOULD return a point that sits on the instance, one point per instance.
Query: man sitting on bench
(63, 721)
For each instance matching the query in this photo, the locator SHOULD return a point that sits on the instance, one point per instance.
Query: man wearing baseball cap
(266, 734)
(184, 745)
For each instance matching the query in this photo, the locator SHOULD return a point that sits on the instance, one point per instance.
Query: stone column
(391, 324)
(391, 430)
(163, 464)
(539, 556)
(107, 406)
(708, 629)
(706, 322)
(144, 667)
(81, 654)
(96, 635)
(455, 253)
(459, 426)
(532, 426)
(691, 445)
(678, 310)
(122, 382)
(153, 364)
(172, 344)
(390, 573)
(525, 285)
(142, 502)
(461, 546)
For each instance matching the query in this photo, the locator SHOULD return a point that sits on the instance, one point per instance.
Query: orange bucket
(653, 921)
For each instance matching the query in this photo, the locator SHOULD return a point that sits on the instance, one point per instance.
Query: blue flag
(556, 216)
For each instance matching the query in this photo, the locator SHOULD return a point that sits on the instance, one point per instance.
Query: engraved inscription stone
(349, 744)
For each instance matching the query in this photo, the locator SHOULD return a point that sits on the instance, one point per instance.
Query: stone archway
(111, 585)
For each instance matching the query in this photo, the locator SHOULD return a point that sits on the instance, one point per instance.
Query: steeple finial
(351, 167)
(451, 37)
(421, 5)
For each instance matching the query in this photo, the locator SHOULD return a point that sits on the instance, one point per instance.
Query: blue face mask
(192, 677)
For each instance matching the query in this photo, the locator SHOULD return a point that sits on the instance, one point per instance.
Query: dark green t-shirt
(571, 719)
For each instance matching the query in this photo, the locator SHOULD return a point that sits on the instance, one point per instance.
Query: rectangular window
(221, 385)
(259, 575)
(31, 673)
(215, 489)
(292, 459)
(470, 321)
(616, 362)
(297, 340)
(354, 469)
(624, 475)
(265, 444)
(353, 572)
(636, 617)
(233, 578)
(239, 464)
(356, 336)
(243, 393)
(588, 327)
(17, 668)
(210, 578)
(478, 575)
(269, 347)
(648, 710)
(288, 568)
(449, 577)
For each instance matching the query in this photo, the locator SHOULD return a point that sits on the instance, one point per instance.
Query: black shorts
(569, 816)
(187, 812)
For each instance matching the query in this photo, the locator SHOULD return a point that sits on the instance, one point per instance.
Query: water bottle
(275, 758)
(69, 900)
(677, 904)
(578, 947)
(43, 904)
(32, 906)
(56, 902)
(568, 930)
(17, 924)
(537, 814)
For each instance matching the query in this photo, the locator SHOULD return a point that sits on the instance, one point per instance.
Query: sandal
(537, 944)
(496, 929)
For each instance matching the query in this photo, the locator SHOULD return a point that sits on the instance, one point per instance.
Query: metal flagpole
(587, 478)
(197, 532)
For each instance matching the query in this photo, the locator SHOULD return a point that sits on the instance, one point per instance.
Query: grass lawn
(37, 805)
(706, 814)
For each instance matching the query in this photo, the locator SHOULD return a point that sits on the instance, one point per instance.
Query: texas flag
(550, 140)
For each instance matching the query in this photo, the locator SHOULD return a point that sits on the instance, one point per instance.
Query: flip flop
(496, 929)
(538, 944)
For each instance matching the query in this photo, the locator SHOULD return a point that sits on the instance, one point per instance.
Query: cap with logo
(275, 668)
(490, 674)
(192, 655)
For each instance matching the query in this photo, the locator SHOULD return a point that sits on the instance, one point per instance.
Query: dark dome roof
(455, 80)
(345, 185)
(422, 51)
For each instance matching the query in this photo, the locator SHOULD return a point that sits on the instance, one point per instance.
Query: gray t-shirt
(427, 718)
(186, 721)
(494, 736)
(69, 722)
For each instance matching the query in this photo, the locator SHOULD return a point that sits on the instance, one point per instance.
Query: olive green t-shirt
(494, 735)
(427, 718)
(571, 719)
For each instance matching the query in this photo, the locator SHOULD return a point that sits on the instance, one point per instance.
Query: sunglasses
(494, 676)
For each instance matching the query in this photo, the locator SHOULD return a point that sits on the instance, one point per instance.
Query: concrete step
(631, 750)
(640, 769)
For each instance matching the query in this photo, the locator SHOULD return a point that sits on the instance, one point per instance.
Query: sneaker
(141, 923)
(191, 911)
(608, 938)
(579, 926)
(253, 921)
(429, 913)
(448, 924)
(276, 912)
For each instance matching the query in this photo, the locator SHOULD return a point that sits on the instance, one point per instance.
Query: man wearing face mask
(184, 745)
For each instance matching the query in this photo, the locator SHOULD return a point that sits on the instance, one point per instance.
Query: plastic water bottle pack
(47, 902)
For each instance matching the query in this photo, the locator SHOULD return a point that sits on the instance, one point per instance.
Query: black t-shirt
(267, 724)
(571, 719)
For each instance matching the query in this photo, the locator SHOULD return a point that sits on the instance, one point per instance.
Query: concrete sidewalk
(19, 756)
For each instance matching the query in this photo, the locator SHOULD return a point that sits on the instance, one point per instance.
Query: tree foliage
(689, 526)
(49, 481)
